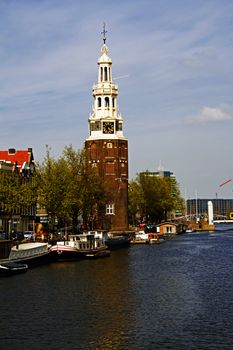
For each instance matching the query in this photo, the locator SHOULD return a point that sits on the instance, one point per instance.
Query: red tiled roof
(21, 157)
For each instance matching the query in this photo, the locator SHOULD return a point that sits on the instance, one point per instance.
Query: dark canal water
(176, 295)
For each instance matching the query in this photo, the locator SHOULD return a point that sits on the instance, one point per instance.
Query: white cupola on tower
(105, 121)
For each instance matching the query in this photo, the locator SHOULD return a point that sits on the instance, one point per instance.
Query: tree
(17, 193)
(152, 197)
(68, 188)
(86, 191)
(135, 201)
(50, 179)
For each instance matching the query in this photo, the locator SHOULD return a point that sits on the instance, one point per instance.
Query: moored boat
(78, 247)
(154, 238)
(12, 268)
(113, 240)
(140, 238)
(33, 253)
(117, 241)
(189, 230)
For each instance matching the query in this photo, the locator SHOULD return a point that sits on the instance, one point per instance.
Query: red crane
(225, 182)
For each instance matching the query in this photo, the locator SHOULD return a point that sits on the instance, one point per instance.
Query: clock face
(108, 127)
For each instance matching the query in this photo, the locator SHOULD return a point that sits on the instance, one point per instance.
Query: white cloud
(211, 115)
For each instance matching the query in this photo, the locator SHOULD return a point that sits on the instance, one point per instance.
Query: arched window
(105, 74)
(107, 102)
(93, 151)
(113, 102)
(99, 102)
(101, 74)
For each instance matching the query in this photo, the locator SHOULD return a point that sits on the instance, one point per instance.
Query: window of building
(93, 151)
(119, 126)
(101, 74)
(113, 102)
(99, 102)
(109, 145)
(109, 209)
(110, 168)
(105, 74)
(107, 102)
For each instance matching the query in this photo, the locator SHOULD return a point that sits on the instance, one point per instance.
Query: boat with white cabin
(78, 247)
(140, 238)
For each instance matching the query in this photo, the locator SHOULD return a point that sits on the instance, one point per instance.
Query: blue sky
(177, 98)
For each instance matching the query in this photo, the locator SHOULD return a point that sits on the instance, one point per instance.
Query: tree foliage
(152, 197)
(17, 193)
(67, 187)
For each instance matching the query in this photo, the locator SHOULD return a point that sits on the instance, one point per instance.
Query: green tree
(68, 188)
(50, 178)
(86, 190)
(152, 197)
(135, 201)
(17, 193)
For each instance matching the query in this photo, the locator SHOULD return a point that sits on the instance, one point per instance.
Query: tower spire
(104, 33)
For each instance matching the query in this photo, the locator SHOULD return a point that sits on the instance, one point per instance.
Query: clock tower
(107, 148)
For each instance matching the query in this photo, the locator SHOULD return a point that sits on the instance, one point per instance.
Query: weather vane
(104, 33)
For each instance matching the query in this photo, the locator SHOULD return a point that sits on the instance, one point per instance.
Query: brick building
(21, 163)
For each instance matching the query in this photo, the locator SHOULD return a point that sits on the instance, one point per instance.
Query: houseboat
(166, 229)
(78, 247)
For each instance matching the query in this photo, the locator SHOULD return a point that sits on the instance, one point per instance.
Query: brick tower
(106, 146)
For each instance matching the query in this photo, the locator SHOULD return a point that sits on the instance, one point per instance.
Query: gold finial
(104, 33)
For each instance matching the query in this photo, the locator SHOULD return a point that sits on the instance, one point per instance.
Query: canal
(176, 295)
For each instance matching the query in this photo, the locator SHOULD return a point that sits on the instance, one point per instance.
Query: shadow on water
(176, 295)
(80, 305)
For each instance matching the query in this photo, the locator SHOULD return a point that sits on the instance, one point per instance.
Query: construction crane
(225, 182)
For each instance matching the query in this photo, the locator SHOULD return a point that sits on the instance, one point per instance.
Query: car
(2, 234)
(28, 235)
(42, 236)
(17, 236)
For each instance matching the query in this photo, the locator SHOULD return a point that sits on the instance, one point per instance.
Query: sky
(172, 61)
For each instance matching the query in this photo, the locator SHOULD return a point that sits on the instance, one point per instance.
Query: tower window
(107, 102)
(101, 74)
(110, 209)
(119, 126)
(99, 102)
(113, 102)
(105, 74)
(93, 151)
